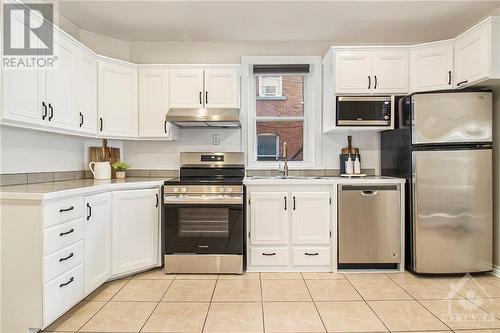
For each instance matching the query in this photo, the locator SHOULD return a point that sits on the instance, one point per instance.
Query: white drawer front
(269, 256)
(62, 211)
(62, 235)
(62, 293)
(62, 260)
(311, 256)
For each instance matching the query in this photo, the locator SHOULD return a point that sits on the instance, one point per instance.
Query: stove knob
(184, 189)
(221, 189)
(229, 189)
(176, 190)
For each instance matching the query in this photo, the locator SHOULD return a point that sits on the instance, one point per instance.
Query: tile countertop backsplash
(44, 177)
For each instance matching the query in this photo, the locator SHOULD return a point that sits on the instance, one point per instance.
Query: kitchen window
(283, 105)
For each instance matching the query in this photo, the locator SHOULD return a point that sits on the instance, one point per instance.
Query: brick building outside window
(281, 98)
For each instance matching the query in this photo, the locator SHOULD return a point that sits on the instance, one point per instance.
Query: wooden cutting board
(105, 153)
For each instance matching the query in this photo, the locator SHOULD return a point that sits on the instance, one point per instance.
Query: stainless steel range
(204, 214)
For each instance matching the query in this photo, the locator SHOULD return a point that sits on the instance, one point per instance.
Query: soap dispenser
(357, 165)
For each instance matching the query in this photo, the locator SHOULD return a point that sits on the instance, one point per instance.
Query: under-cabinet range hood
(203, 117)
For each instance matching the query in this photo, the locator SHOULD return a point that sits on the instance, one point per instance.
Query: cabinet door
(311, 217)
(86, 92)
(59, 86)
(134, 230)
(222, 88)
(22, 94)
(390, 72)
(186, 88)
(269, 218)
(431, 67)
(97, 240)
(153, 103)
(352, 72)
(472, 57)
(117, 100)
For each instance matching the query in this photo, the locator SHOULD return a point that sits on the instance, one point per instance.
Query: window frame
(312, 146)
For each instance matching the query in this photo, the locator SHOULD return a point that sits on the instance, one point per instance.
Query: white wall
(23, 150)
(165, 155)
(217, 53)
(104, 45)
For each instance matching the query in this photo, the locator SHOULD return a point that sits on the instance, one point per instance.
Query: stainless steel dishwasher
(369, 226)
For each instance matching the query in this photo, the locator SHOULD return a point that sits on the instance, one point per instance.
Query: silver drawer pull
(311, 254)
(66, 258)
(203, 246)
(369, 193)
(66, 283)
(269, 254)
(66, 232)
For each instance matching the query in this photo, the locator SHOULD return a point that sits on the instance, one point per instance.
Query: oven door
(364, 111)
(203, 224)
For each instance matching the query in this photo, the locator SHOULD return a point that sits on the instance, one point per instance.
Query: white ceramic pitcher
(100, 170)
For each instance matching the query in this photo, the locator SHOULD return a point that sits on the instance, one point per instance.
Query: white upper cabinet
(86, 92)
(209, 87)
(186, 88)
(153, 104)
(307, 230)
(222, 88)
(60, 86)
(390, 72)
(97, 240)
(477, 53)
(269, 218)
(135, 230)
(353, 70)
(22, 101)
(431, 67)
(118, 105)
(371, 71)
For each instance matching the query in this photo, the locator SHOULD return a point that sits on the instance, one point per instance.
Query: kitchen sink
(287, 177)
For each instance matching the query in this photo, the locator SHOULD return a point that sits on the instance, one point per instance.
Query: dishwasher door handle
(369, 193)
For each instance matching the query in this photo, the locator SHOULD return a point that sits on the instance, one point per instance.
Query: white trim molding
(312, 111)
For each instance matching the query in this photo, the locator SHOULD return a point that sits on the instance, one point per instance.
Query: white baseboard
(496, 270)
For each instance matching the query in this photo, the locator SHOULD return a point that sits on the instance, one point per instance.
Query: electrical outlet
(216, 139)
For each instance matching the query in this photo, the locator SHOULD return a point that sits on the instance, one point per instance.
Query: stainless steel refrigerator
(442, 145)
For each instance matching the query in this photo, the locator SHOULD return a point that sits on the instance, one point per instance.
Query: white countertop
(249, 181)
(54, 190)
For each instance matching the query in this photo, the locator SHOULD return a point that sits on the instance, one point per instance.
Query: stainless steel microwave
(364, 110)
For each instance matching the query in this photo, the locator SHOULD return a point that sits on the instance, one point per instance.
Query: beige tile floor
(288, 302)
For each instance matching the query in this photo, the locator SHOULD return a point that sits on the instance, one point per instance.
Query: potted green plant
(120, 168)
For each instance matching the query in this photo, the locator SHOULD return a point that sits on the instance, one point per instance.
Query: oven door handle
(203, 200)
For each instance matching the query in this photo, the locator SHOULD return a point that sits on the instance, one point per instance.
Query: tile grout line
(416, 300)
(157, 304)
(368, 305)
(210, 304)
(109, 300)
(314, 302)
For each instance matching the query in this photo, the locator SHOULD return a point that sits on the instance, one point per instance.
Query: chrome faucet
(285, 158)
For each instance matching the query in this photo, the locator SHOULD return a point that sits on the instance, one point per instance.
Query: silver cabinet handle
(369, 193)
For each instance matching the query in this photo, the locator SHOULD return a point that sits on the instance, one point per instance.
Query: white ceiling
(266, 21)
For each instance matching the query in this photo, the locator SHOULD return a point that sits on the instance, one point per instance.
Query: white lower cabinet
(269, 211)
(97, 240)
(62, 293)
(135, 230)
(289, 227)
(76, 243)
